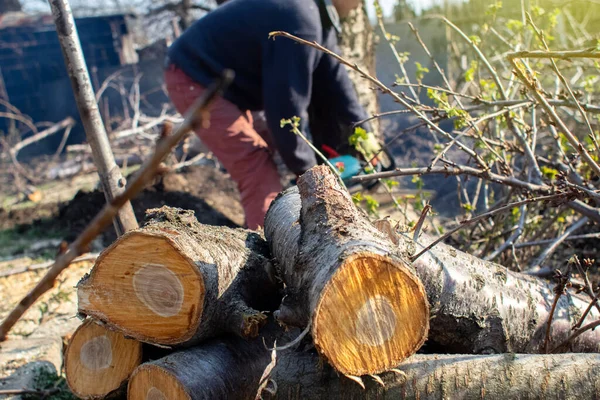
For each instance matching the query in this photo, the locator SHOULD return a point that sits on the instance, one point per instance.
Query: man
(278, 76)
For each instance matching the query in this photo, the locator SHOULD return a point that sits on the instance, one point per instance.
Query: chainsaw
(349, 166)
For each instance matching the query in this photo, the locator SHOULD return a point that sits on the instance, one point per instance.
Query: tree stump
(177, 282)
(366, 308)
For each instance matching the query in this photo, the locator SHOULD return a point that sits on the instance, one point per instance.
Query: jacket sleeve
(333, 85)
(287, 88)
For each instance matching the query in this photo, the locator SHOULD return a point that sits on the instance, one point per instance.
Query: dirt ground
(30, 234)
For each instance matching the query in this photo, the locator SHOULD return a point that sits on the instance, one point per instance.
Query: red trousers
(245, 150)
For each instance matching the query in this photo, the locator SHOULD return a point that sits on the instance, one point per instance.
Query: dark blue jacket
(278, 76)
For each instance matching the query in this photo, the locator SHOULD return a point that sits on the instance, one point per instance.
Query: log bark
(437, 377)
(366, 309)
(98, 362)
(477, 306)
(178, 282)
(232, 368)
(481, 307)
(229, 368)
(111, 180)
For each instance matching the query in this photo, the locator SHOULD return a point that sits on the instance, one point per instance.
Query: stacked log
(326, 270)
(230, 369)
(98, 362)
(344, 278)
(178, 282)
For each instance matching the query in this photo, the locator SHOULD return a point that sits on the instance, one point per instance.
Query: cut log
(235, 369)
(177, 282)
(482, 307)
(434, 377)
(366, 308)
(98, 362)
(229, 368)
(478, 306)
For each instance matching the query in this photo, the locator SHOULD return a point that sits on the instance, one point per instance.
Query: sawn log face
(98, 362)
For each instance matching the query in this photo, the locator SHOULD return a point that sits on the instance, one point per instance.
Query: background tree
(358, 45)
(403, 10)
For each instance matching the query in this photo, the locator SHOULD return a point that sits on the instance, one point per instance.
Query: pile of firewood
(203, 301)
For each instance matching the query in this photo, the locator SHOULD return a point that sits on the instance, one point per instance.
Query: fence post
(111, 179)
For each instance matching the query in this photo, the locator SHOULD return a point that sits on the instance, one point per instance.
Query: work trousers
(243, 147)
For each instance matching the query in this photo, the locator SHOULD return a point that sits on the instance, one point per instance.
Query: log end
(151, 382)
(98, 362)
(145, 286)
(372, 315)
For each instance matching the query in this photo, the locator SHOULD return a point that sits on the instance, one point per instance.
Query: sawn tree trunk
(344, 279)
(177, 282)
(236, 369)
(477, 306)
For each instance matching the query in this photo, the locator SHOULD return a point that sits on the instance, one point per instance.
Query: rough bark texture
(111, 180)
(232, 368)
(366, 308)
(357, 43)
(424, 377)
(98, 362)
(228, 368)
(479, 306)
(176, 281)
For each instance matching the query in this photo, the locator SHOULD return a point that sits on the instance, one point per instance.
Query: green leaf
(390, 183)
(548, 172)
(418, 181)
(475, 39)
(470, 73)
(514, 25)
(372, 205)
(421, 71)
(358, 136)
(494, 8)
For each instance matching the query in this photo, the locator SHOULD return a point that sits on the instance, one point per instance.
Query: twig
(488, 214)
(510, 242)
(557, 242)
(63, 142)
(593, 303)
(532, 85)
(560, 76)
(548, 241)
(588, 285)
(419, 224)
(561, 55)
(482, 57)
(39, 393)
(578, 332)
(44, 265)
(388, 39)
(561, 285)
(457, 170)
(384, 89)
(20, 118)
(195, 117)
(64, 124)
